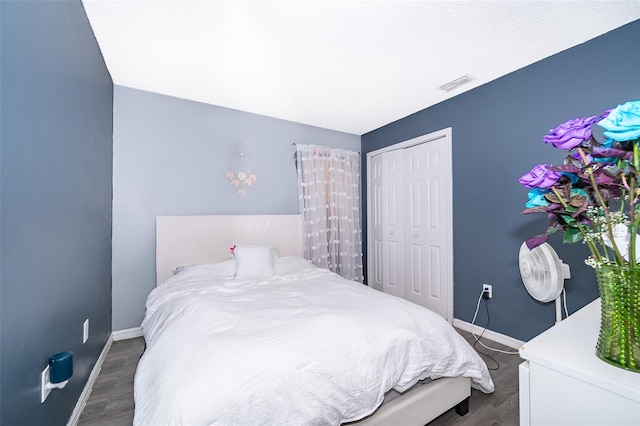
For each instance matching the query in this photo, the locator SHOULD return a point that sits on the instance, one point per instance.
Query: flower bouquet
(594, 198)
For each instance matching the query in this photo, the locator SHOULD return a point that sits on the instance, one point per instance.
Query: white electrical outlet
(85, 331)
(44, 379)
(487, 288)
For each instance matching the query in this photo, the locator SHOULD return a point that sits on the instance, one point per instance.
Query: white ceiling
(351, 66)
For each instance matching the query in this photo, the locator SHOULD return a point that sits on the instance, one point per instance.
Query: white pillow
(253, 262)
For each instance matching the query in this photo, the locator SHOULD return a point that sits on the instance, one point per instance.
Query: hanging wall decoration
(241, 172)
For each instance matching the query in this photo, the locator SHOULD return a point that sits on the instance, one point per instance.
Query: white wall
(170, 157)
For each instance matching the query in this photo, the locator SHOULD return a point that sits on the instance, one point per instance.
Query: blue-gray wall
(56, 181)
(170, 158)
(497, 137)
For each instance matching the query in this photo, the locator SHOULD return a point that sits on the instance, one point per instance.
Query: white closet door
(410, 225)
(375, 256)
(393, 223)
(427, 239)
(416, 256)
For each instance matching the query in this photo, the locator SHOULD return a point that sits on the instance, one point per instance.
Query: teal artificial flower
(536, 198)
(623, 122)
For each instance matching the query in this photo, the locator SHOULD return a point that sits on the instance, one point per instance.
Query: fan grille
(541, 272)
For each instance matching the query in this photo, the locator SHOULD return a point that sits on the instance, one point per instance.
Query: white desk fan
(543, 274)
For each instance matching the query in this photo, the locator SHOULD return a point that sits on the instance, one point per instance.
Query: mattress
(304, 347)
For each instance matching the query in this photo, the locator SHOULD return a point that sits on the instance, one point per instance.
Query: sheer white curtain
(328, 188)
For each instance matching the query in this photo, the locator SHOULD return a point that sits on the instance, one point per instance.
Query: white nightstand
(563, 382)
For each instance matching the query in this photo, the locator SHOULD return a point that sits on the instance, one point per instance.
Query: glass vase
(618, 342)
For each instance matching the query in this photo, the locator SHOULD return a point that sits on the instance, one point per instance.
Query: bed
(228, 343)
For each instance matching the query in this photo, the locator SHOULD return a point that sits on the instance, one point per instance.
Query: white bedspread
(305, 347)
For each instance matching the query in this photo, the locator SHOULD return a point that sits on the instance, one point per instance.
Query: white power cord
(484, 329)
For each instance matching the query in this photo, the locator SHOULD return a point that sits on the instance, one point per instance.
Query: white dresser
(563, 382)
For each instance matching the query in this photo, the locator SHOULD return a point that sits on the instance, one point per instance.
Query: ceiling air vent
(454, 84)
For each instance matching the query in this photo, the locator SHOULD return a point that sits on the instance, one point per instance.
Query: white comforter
(305, 347)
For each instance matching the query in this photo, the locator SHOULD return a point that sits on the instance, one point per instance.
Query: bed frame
(188, 240)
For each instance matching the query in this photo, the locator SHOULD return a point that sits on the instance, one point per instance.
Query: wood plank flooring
(111, 400)
(500, 408)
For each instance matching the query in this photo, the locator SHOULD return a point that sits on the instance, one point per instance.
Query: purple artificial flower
(540, 177)
(623, 122)
(571, 134)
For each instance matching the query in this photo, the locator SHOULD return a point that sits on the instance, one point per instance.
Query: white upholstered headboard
(189, 240)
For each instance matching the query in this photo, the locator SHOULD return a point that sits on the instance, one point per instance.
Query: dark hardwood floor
(111, 400)
(499, 408)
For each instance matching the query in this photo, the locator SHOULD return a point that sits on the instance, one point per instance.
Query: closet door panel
(416, 263)
(436, 233)
(393, 275)
(433, 266)
(415, 270)
(375, 280)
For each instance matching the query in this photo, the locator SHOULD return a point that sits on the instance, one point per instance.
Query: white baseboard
(127, 333)
(491, 335)
(84, 396)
